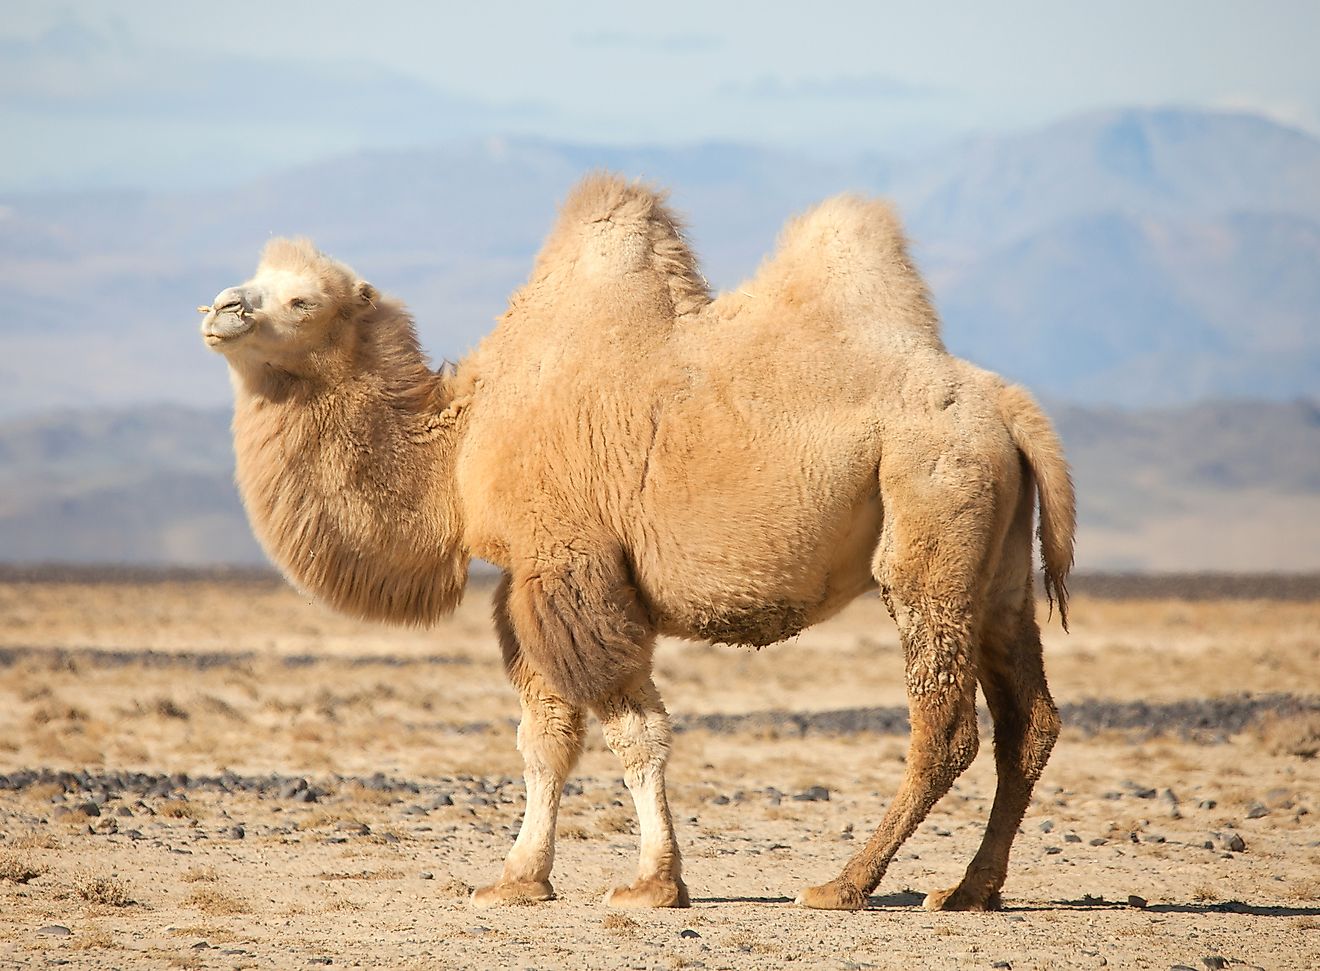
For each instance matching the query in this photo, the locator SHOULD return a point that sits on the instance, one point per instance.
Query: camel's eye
(298, 303)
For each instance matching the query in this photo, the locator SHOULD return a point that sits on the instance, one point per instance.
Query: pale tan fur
(640, 458)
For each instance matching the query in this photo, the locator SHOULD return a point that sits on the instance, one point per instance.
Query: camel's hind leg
(637, 730)
(928, 572)
(1012, 674)
(550, 739)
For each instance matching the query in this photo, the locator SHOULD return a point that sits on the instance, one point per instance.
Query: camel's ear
(366, 293)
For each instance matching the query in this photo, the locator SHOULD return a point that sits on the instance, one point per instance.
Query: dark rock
(1047, 826)
(234, 832)
(89, 808)
(813, 794)
(1206, 804)
(1053, 850)
(1099, 841)
(1001, 964)
(1236, 843)
(688, 932)
(1071, 838)
(54, 930)
(321, 960)
(720, 800)
(1214, 962)
(426, 875)
(443, 799)
(1135, 901)
(1257, 811)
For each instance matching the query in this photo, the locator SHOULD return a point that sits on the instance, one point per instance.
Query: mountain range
(1220, 486)
(1130, 258)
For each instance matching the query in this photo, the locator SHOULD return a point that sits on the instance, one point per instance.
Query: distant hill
(1226, 486)
(1131, 258)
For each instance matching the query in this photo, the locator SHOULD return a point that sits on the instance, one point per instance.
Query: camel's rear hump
(850, 256)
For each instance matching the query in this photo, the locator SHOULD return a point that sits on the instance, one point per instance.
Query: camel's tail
(1036, 440)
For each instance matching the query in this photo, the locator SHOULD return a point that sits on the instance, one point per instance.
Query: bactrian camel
(640, 458)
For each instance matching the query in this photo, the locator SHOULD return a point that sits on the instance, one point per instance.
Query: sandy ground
(221, 775)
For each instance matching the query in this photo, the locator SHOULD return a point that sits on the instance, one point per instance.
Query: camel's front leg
(636, 728)
(550, 739)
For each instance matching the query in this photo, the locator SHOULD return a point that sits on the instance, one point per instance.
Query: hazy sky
(175, 92)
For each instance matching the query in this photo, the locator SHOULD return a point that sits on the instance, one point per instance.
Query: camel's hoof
(959, 898)
(835, 895)
(651, 892)
(512, 893)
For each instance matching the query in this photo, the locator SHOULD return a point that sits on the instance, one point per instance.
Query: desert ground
(209, 771)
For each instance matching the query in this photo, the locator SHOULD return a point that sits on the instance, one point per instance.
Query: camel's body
(640, 459)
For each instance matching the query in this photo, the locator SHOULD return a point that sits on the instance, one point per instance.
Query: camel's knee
(637, 730)
(550, 736)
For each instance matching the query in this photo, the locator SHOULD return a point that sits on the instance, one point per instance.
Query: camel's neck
(350, 485)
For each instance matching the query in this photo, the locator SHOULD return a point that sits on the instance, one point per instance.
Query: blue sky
(179, 94)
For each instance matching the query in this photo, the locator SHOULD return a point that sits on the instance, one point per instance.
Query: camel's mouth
(225, 324)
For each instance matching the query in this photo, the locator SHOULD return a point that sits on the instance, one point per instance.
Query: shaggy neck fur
(346, 470)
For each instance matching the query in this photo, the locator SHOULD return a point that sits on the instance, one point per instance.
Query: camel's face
(299, 303)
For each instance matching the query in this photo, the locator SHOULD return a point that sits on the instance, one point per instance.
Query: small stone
(1136, 901)
(1255, 812)
(201, 946)
(89, 808)
(1206, 804)
(1071, 838)
(416, 810)
(1047, 826)
(1236, 843)
(939, 831)
(426, 875)
(813, 794)
(720, 800)
(123, 811)
(1214, 962)
(444, 799)
(357, 829)
(321, 960)
(1002, 964)
(235, 832)
(1099, 841)
(1053, 850)
(688, 932)
(54, 930)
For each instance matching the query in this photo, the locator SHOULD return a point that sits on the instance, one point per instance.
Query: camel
(639, 458)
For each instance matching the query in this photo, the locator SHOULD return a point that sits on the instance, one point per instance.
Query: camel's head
(300, 306)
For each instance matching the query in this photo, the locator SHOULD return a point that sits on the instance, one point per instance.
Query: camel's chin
(222, 340)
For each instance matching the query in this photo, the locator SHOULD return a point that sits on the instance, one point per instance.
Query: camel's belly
(770, 588)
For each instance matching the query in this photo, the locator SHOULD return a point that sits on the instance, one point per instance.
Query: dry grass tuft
(110, 891)
(617, 923)
(1205, 894)
(1296, 735)
(16, 869)
(179, 809)
(96, 937)
(36, 841)
(454, 887)
(209, 900)
(616, 819)
(388, 873)
(204, 931)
